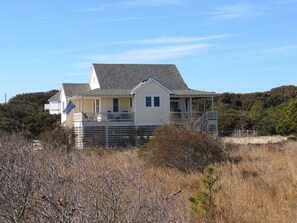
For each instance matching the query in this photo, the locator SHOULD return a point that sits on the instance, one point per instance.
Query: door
(115, 105)
(96, 105)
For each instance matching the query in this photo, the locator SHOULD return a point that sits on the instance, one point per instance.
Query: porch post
(82, 104)
(212, 103)
(191, 112)
(204, 105)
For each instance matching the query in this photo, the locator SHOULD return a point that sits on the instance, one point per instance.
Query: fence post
(136, 136)
(106, 133)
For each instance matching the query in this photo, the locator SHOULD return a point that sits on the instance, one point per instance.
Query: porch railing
(104, 116)
(179, 116)
(203, 121)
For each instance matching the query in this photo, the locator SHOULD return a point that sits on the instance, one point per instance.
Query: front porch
(122, 110)
(104, 117)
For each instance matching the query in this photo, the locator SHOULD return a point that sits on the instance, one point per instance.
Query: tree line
(269, 113)
(24, 114)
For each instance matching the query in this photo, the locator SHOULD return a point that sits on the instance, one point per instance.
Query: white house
(124, 103)
(54, 104)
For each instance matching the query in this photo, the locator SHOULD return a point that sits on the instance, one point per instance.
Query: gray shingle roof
(75, 89)
(120, 79)
(55, 97)
(193, 93)
(127, 76)
(107, 92)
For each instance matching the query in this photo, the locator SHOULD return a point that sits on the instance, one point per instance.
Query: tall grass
(258, 184)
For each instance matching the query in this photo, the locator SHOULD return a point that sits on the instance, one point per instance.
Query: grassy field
(258, 184)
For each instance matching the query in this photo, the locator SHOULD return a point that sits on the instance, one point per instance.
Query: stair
(208, 122)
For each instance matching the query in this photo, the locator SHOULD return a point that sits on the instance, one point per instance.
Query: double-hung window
(148, 101)
(152, 101)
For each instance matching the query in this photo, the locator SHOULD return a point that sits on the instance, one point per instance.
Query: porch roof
(106, 92)
(128, 93)
(192, 93)
(73, 89)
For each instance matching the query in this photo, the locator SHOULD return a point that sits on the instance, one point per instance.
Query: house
(122, 104)
(54, 105)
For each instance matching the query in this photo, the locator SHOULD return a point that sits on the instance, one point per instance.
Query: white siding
(93, 81)
(54, 107)
(152, 115)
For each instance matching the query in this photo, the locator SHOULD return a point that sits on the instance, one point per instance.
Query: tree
(288, 123)
(203, 202)
(24, 114)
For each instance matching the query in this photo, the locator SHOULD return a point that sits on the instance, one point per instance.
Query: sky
(219, 45)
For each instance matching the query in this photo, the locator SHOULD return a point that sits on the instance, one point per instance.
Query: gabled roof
(55, 97)
(75, 89)
(145, 82)
(127, 76)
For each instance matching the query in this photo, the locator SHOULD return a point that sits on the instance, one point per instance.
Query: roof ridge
(146, 64)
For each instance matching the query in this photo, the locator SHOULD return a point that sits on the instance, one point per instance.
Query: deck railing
(179, 116)
(203, 121)
(104, 116)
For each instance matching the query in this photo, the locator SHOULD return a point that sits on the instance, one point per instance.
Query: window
(152, 101)
(156, 101)
(115, 105)
(148, 101)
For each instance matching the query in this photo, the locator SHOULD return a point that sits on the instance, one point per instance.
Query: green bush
(292, 138)
(203, 202)
(183, 148)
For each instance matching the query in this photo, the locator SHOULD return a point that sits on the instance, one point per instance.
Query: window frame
(159, 101)
(146, 102)
(152, 101)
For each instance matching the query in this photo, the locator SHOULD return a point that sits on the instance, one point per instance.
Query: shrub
(58, 138)
(183, 148)
(50, 186)
(292, 138)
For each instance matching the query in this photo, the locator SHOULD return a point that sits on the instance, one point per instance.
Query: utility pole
(5, 98)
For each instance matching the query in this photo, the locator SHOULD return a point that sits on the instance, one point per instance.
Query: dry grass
(259, 183)
(262, 186)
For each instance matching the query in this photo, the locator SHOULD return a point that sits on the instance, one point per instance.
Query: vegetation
(24, 114)
(182, 148)
(258, 184)
(203, 202)
(269, 113)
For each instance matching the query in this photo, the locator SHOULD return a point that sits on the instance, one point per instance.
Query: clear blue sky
(218, 45)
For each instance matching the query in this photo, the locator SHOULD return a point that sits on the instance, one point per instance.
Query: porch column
(204, 105)
(82, 104)
(191, 112)
(212, 103)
